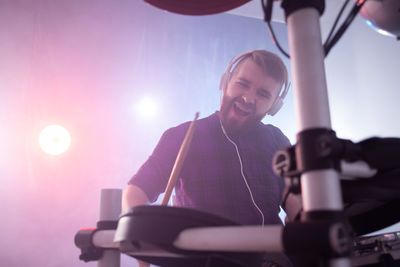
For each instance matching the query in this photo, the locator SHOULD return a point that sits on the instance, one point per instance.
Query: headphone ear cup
(224, 80)
(276, 106)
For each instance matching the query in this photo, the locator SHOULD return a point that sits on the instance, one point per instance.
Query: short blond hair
(271, 63)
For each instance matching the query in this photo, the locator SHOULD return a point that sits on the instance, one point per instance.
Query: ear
(224, 80)
(279, 100)
(276, 106)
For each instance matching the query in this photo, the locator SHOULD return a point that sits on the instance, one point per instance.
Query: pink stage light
(54, 139)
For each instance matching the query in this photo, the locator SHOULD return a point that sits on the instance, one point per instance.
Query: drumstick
(179, 161)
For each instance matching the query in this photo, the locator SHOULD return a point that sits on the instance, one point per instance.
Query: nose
(249, 98)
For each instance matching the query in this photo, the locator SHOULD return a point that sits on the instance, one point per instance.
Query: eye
(264, 94)
(242, 84)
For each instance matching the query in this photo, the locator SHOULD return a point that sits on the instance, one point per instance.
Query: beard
(234, 120)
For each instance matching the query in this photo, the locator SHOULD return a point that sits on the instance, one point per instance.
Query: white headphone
(226, 76)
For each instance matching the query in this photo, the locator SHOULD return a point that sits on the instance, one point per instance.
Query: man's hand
(143, 264)
(133, 196)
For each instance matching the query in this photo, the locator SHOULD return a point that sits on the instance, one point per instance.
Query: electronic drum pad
(155, 228)
(370, 204)
(373, 204)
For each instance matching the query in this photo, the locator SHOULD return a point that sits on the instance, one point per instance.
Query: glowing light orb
(147, 108)
(54, 139)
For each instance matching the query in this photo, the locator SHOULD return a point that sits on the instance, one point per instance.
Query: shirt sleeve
(281, 141)
(152, 177)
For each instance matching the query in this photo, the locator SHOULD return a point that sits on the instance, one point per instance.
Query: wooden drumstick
(179, 161)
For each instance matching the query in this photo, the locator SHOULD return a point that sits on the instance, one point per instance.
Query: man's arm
(133, 196)
(152, 177)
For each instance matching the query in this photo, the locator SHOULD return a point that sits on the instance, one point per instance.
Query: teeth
(243, 108)
(241, 111)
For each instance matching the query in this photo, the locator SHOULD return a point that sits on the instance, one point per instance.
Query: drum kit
(333, 213)
(177, 236)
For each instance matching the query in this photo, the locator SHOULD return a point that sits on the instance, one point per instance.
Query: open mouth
(241, 111)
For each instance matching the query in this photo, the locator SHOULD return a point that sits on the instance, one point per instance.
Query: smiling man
(251, 90)
(228, 168)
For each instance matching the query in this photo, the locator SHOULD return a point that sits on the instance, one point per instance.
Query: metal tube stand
(320, 187)
(110, 209)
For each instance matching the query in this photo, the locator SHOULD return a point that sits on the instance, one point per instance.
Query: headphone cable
(242, 173)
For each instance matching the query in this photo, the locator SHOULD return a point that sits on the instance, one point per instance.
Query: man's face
(248, 96)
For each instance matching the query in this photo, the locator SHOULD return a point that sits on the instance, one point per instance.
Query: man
(228, 168)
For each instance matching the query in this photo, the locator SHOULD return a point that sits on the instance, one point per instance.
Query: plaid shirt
(210, 179)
